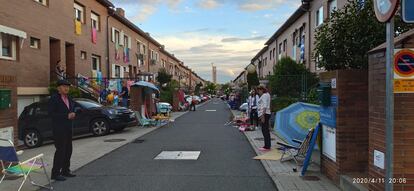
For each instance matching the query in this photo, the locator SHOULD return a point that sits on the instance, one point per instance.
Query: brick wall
(403, 125)
(8, 117)
(352, 123)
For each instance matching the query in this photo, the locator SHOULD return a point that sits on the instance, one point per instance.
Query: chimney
(120, 11)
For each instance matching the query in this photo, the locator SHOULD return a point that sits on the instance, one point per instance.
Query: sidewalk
(85, 150)
(282, 173)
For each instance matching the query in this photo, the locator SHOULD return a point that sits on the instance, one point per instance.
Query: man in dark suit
(61, 109)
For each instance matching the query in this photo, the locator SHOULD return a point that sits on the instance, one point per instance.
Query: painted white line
(178, 155)
(211, 110)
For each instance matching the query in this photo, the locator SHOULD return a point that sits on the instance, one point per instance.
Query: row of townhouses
(88, 38)
(295, 38)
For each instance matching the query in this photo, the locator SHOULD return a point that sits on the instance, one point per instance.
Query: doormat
(271, 155)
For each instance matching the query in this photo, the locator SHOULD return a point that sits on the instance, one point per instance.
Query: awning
(146, 84)
(12, 31)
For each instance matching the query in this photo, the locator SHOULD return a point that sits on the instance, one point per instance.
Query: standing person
(252, 105)
(263, 112)
(193, 102)
(61, 109)
(116, 99)
(124, 94)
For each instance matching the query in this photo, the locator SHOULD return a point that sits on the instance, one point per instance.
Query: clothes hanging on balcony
(99, 77)
(94, 36)
(78, 27)
(117, 54)
(126, 55)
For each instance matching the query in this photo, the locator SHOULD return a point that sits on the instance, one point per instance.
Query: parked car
(197, 98)
(35, 124)
(243, 107)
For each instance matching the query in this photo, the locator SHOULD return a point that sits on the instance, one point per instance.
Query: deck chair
(296, 152)
(144, 122)
(14, 168)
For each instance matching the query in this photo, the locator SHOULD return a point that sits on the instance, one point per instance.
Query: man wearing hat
(61, 110)
(263, 112)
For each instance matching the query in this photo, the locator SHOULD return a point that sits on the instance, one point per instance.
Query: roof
(292, 19)
(106, 3)
(397, 40)
(264, 49)
(241, 73)
(170, 55)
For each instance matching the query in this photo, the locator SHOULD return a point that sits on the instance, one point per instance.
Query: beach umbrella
(294, 121)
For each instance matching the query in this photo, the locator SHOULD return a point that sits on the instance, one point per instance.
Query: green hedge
(73, 91)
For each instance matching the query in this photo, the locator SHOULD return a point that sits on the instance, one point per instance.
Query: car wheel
(32, 138)
(99, 127)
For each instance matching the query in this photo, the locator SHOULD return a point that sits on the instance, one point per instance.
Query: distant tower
(214, 73)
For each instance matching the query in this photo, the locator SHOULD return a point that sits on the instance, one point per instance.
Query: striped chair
(12, 167)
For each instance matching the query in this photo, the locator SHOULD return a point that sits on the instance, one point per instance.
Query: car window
(88, 104)
(41, 109)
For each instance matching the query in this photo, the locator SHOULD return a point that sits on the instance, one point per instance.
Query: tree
(252, 80)
(163, 76)
(291, 79)
(210, 88)
(197, 88)
(343, 41)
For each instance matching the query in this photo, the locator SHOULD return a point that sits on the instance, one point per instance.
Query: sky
(228, 33)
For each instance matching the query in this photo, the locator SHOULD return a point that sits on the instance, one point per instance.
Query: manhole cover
(138, 141)
(310, 178)
(178, 155)
(114, 140)
(261, 139)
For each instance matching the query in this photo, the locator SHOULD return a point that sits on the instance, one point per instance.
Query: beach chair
(12, 167)
(295, 152)
(144, 122)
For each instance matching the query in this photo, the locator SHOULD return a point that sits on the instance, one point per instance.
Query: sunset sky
(227, 33)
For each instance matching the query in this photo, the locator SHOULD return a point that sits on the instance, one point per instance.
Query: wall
(352, 124)
(403, 125)
(8, 117)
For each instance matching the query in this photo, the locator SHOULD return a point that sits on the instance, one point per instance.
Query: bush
(280, 103)
(166, 93)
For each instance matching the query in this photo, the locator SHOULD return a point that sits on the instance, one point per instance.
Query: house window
(319, 16)
(274, 50)
(34, 43)
(126, 41)
(139, 47)
(156, 56)
(270, 54)
(163, 63)
(317, 62)
(96, 63)
(144, 50)
(79, 12)
(117, 71)
(117, 35)
(8, 47)
(280, 48)
(284, 45)
(83, 55)
(95, 21)
(333, 6)
(43, 2)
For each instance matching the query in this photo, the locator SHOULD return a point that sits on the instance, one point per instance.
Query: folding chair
(144, 122)
(18, 169)
(296, 152)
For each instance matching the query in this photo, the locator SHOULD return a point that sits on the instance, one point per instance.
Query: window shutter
(113, 70)
(129, 42)
(113, 34)
(122, 71)
(121, 38)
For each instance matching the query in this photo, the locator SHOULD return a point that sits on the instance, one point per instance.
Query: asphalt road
(225, 162)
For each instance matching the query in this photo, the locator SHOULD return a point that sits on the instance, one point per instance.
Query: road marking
(178, 155)
(211, 110)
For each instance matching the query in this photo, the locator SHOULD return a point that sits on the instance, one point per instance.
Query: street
(225, 162)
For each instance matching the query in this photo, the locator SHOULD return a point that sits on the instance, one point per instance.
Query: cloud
(198, 50)
(233, 39)
(145, 8)
(208, 4)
